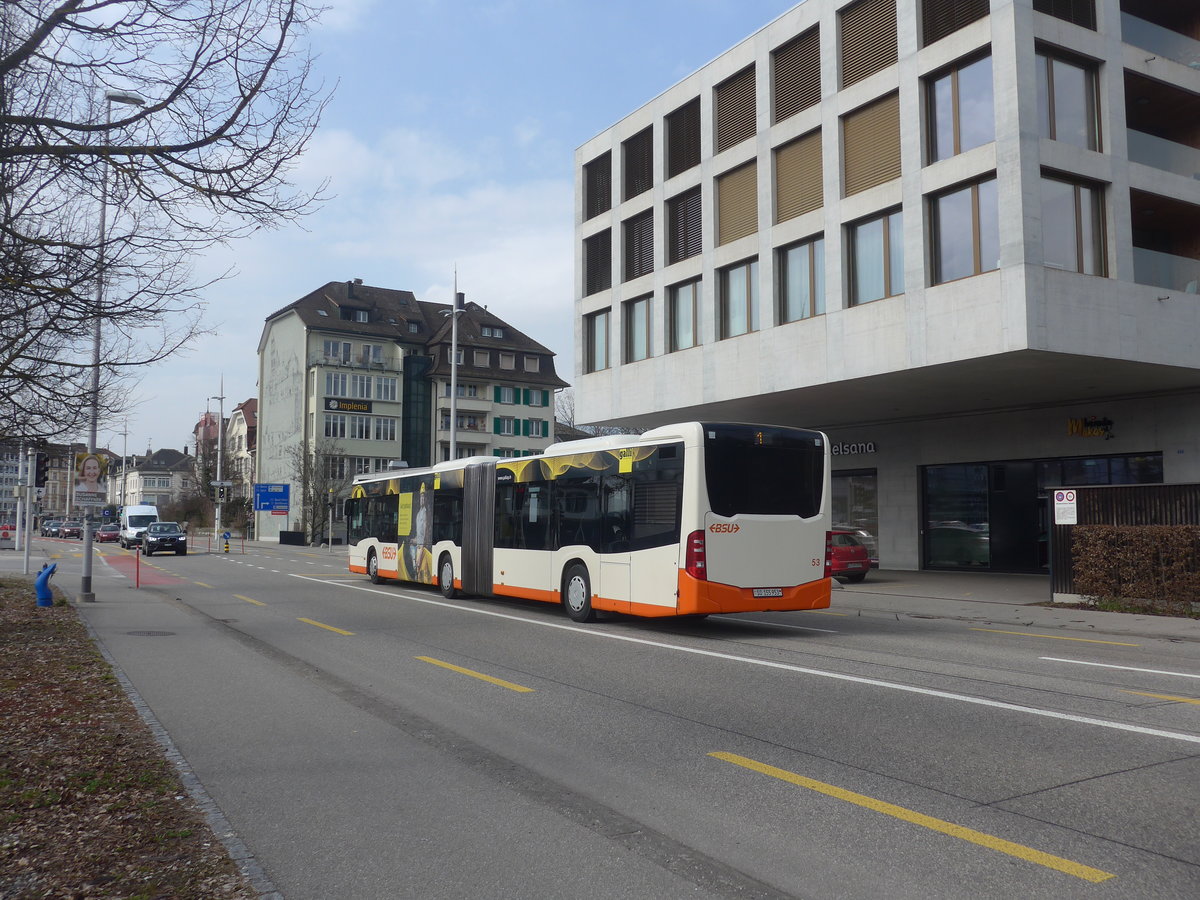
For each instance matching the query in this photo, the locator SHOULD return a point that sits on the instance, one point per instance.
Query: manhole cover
(150, 633)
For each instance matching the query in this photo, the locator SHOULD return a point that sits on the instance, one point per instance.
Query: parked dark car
(164, 536)
(70, 530)
(108, 534)
(848, 556)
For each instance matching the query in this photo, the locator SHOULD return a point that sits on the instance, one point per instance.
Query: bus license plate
(768, 592)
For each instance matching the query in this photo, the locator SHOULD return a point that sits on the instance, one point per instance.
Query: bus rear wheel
(446, 577)
(577, 594)
(373, 568)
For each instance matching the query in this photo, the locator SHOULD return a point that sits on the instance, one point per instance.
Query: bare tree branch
(228, 108)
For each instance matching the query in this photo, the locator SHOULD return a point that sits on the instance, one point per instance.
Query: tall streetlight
(454, 312)
(86, 594)
(220, 445)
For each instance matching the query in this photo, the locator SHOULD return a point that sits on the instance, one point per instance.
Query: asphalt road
(382, 742)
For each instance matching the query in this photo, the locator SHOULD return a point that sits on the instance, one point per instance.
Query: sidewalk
(996, 598)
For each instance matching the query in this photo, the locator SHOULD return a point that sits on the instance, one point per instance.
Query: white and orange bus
(686, 519)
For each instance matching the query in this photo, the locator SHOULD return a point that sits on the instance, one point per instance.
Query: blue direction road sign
(271, 497)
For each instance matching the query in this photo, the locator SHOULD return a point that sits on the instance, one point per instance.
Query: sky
(449, 145)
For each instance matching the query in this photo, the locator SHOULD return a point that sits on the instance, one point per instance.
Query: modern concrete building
(961, 236)
(360, 376)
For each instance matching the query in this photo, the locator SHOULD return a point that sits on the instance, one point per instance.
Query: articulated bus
(687, 519)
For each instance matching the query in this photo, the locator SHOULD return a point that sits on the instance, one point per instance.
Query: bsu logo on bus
(725, 528)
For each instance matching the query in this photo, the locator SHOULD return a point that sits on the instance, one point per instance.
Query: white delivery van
(134, 520)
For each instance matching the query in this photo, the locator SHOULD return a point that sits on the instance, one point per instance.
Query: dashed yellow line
(201, 583)
(1164, 697)
(249, 600)
(991, 842)
(1056, 637)
(488, 678)
(326, 627)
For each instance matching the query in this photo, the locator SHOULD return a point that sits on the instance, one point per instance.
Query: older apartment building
(362, 374)
(961, 236)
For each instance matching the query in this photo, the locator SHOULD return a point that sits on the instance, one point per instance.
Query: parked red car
(108, 534)
(848, 556)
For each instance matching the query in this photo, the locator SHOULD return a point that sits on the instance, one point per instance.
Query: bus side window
(577, 510)
(616, 524)
(447, 515)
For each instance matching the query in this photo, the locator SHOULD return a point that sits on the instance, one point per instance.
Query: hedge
(1153, 568)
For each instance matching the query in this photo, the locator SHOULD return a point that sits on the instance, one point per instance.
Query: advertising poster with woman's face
(91, 479)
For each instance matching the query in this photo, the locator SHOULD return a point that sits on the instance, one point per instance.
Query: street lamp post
(454, 314)
(86, 594)
(220, 447)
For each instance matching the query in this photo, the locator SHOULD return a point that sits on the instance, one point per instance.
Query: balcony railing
(1160, 153)
(1163, 41)
(1177, 273)
(477, 429)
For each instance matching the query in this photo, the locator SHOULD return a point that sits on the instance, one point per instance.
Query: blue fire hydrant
(45, 597)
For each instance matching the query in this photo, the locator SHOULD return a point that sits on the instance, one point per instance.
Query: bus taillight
(694, 557)
(828, 554)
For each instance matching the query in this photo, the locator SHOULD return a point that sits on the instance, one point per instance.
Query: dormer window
(354, 315)
(323, 312)
(414, 328)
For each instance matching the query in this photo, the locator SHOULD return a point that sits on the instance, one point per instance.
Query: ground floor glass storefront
(856, 507)
(994, 515)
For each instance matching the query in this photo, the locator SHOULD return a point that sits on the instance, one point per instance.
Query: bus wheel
(446, 577)
(577, 594)
(373, 568)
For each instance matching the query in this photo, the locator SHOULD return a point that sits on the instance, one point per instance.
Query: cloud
(345, 15)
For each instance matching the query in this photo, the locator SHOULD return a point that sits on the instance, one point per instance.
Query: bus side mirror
(348, 508)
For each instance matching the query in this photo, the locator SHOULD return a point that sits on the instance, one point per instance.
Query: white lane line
(803, 670)
(778, 625)
(1080, 662)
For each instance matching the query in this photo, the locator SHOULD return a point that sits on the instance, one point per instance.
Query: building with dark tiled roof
(362, 374)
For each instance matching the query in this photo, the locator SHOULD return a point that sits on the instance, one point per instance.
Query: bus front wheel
(577, 594)
(446, 577)
(373, 568)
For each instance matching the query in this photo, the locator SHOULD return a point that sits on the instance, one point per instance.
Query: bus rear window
(764, 471)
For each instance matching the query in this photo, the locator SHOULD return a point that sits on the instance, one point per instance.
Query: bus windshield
(764, 471)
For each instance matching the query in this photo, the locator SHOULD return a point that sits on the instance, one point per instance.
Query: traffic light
(41, 470)
(221, 492)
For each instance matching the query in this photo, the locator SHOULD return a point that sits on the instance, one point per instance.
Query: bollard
(227, 546)
(45, 597)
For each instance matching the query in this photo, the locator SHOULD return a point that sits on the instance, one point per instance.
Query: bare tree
(178, 118)
(564, 411)
(322, 477)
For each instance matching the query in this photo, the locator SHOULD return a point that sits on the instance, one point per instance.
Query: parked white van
(134, 520)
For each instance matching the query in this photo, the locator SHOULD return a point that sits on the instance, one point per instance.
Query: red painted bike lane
(149, 575)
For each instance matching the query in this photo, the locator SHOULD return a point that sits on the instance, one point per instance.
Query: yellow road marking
(488, 678)
(1164, 697)
(326, 627)
(201, 583)
(248, 600)
(1056, 637)
(826, 612)
(1087, 873)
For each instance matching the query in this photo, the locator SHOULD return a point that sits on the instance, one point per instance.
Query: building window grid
(1068, 112)
(360, 387)
(385, 428)
(596, 334)
(682, 318)
(336, 384)
(637, 163)
(945, 103)
(385, 388)
(335, 426)
(359, 428)
(639, 245)
(533, 364)
(881, 274)
(739, 299)
(1083, 225)
(948, 231)
(802, 280)
(636, 314)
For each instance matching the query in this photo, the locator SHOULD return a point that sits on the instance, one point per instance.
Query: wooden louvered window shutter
(683, 138)
(871, 142)
(597, 262)
(797, 74)
(737, 203)
(798, 187)
(735, 111)
(942, 17)
(639, 245)
(637, 163)
(597, 186)
(868, 39)
(1080, 12)
(684, 226)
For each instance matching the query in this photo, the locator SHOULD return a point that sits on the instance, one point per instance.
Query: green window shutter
(496, 425)
(497, 390)
(546, 428)
(525, 396)
(546, 399)
(524, 428)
